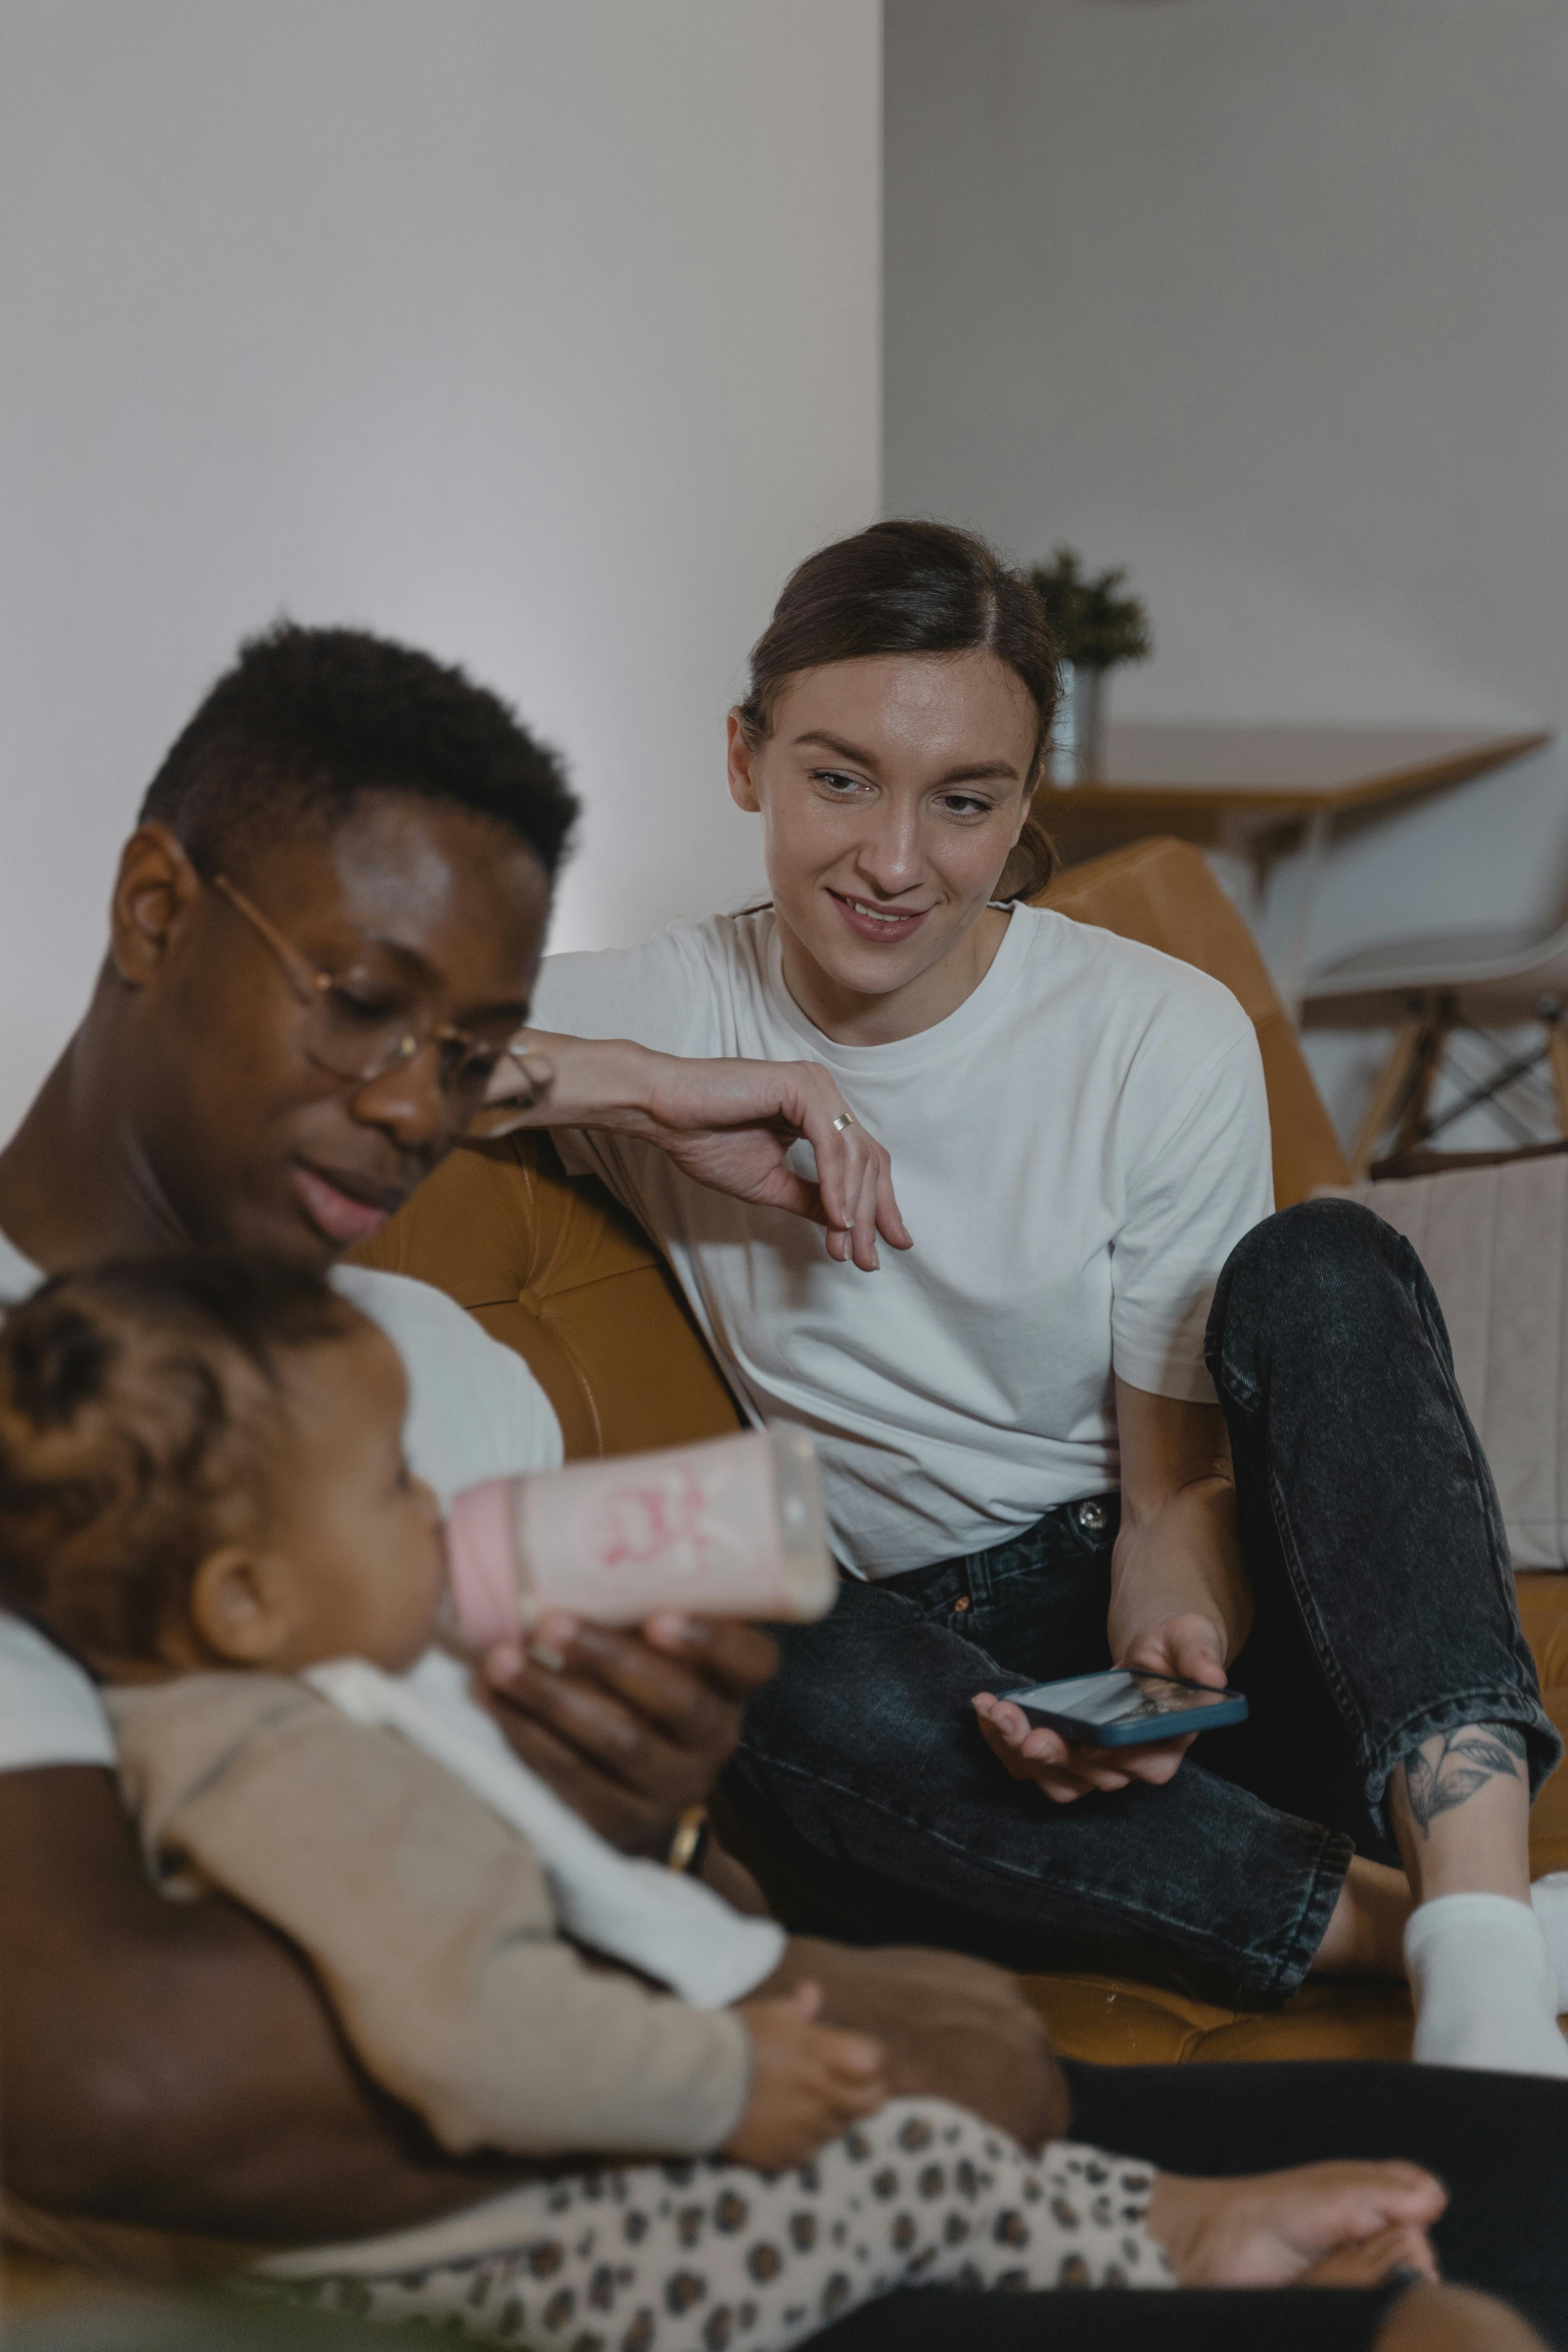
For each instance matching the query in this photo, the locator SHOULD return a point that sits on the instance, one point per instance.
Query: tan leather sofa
(554, 1268)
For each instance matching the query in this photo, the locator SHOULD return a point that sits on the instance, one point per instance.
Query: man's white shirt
(475, 1411)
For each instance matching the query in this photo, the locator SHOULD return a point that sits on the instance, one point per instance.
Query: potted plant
(1097, 624)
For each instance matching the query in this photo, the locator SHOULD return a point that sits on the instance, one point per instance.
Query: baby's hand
(808, 2081)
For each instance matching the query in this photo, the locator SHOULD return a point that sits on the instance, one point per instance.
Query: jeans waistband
(1076, 1529)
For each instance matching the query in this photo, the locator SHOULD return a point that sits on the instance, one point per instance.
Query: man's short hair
(307, 721)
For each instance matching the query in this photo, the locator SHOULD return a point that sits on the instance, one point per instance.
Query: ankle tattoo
(1446, 1771)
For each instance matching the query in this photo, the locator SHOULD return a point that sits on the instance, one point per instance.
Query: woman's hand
(730, 1124)
(1061, 1771)
(1180, 1601)
(1169, 1641)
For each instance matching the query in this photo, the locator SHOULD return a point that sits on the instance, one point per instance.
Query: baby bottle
(732, 1528)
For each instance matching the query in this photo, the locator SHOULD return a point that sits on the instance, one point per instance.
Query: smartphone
(1125, 1707)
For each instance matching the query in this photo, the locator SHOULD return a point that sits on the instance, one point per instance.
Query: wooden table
(1255, 792)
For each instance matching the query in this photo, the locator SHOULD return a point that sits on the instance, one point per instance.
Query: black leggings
(1208, 2319)
(1499, 2142)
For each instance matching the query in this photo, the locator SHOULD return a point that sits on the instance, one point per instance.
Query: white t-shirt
(475, 1411)
(1075, 1151)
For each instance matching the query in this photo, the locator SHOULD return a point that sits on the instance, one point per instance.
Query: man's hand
(730, 1124)
(631, 1728)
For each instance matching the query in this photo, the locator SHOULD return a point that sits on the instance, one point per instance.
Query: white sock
(1485, 1986)
(1550, 1897)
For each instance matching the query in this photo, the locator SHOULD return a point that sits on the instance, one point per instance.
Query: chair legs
(1438, 1022)
(1392, 1089)
(1557, 1051)
(1403, 1092)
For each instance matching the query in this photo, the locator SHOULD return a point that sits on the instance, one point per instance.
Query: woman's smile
(881, 924)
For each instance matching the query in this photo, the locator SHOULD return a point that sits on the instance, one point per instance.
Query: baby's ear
(237, 1607)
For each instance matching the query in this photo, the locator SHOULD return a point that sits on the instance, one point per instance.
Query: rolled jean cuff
(1287, 1969)
(1506, 1704)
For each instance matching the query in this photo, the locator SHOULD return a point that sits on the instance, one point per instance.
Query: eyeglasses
(352, 1031)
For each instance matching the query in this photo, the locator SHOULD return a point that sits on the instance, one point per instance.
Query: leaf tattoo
(1447, 1770)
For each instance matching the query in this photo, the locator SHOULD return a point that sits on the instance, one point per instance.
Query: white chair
(1450, 980)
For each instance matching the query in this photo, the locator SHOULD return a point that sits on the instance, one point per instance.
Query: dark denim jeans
(1385, 1612)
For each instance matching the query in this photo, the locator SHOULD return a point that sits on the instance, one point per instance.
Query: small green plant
(1096, 624)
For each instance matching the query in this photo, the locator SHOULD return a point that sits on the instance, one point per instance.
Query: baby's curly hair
(129, 1432)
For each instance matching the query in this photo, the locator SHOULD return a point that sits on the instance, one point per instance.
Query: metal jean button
(1092, 1516)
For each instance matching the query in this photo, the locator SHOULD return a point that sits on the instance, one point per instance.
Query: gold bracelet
(689, 1843)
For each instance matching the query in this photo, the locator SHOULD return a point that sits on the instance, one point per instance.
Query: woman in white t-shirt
(1027, 1470)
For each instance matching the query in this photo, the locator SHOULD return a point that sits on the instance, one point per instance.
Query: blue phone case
(1139, 1730)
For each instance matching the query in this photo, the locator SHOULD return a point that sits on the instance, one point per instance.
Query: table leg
(1243, 845)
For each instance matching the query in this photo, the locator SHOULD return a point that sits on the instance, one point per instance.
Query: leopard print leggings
(705, 2255)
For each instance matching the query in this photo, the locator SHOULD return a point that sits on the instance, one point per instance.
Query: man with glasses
(324, 935)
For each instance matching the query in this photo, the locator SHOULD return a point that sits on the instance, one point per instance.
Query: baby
(203, 1496)
(206, 1472)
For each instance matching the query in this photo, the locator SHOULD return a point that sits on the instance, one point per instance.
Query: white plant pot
(1088, 700)
(1076, 750)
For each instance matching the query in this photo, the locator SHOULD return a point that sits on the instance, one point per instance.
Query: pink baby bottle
(733, 1527)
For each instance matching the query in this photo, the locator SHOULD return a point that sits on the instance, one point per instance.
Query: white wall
(1268, 297)
(546, 333)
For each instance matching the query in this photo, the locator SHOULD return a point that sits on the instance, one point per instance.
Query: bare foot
(1453, 2319)
(1402, 2247)
(1273, 2227)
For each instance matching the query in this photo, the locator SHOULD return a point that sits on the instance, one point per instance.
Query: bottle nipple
(480, 1574)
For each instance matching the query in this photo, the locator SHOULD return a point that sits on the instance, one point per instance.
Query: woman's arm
(632, 1728)
(729, 1123)
(1180, 1601)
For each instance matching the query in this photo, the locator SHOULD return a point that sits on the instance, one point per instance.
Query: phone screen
(1118, 1696)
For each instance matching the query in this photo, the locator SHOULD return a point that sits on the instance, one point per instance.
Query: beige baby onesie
(428, 1920)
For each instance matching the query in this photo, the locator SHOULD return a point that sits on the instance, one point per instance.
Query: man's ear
(743, 784)
(154, 892)
(237, 1607)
